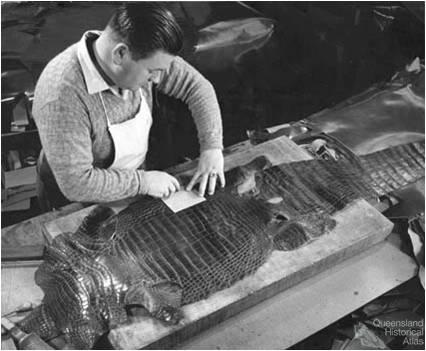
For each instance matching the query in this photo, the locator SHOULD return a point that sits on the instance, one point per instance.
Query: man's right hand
(160, 184)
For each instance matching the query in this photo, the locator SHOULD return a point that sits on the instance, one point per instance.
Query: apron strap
(142, 95)
(105, 110)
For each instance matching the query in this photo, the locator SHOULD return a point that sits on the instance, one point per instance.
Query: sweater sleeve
(184, 82)
(65, 133)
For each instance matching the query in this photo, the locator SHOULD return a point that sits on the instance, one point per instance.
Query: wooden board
(311, 305)
(359, 226)
(66, 224)
(26, 240)
(278, 151)
(18, 286)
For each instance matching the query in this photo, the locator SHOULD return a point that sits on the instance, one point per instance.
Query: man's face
(136, 73)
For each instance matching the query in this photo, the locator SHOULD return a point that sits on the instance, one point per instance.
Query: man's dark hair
(146, 27)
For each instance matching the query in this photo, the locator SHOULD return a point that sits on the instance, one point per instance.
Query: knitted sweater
(73, 127)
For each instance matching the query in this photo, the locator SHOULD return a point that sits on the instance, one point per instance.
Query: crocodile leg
(162, 300)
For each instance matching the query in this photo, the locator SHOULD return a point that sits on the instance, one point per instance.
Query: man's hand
(160, 184)
(210, 167)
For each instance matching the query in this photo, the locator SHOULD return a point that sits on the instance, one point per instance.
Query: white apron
(130, 138)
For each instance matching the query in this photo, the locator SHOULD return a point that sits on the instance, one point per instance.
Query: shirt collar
(94, 81)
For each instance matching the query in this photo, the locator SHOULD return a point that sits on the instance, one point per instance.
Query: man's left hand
(210, 167)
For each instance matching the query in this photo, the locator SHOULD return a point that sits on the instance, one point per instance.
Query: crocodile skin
(149, 256)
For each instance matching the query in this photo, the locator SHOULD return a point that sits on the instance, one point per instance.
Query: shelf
(21, 140)
(14, 134)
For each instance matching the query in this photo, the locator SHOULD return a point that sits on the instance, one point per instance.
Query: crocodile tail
(40, 321)
(394, 168)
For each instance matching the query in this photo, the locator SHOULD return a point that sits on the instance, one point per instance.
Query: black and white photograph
(213, 175)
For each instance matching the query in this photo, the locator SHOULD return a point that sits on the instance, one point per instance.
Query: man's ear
(120, 53)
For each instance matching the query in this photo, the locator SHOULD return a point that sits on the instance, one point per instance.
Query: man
(92, 107)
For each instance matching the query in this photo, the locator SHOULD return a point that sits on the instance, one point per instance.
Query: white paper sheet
(183, 199)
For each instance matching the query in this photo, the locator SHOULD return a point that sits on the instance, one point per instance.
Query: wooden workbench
(359, 227)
